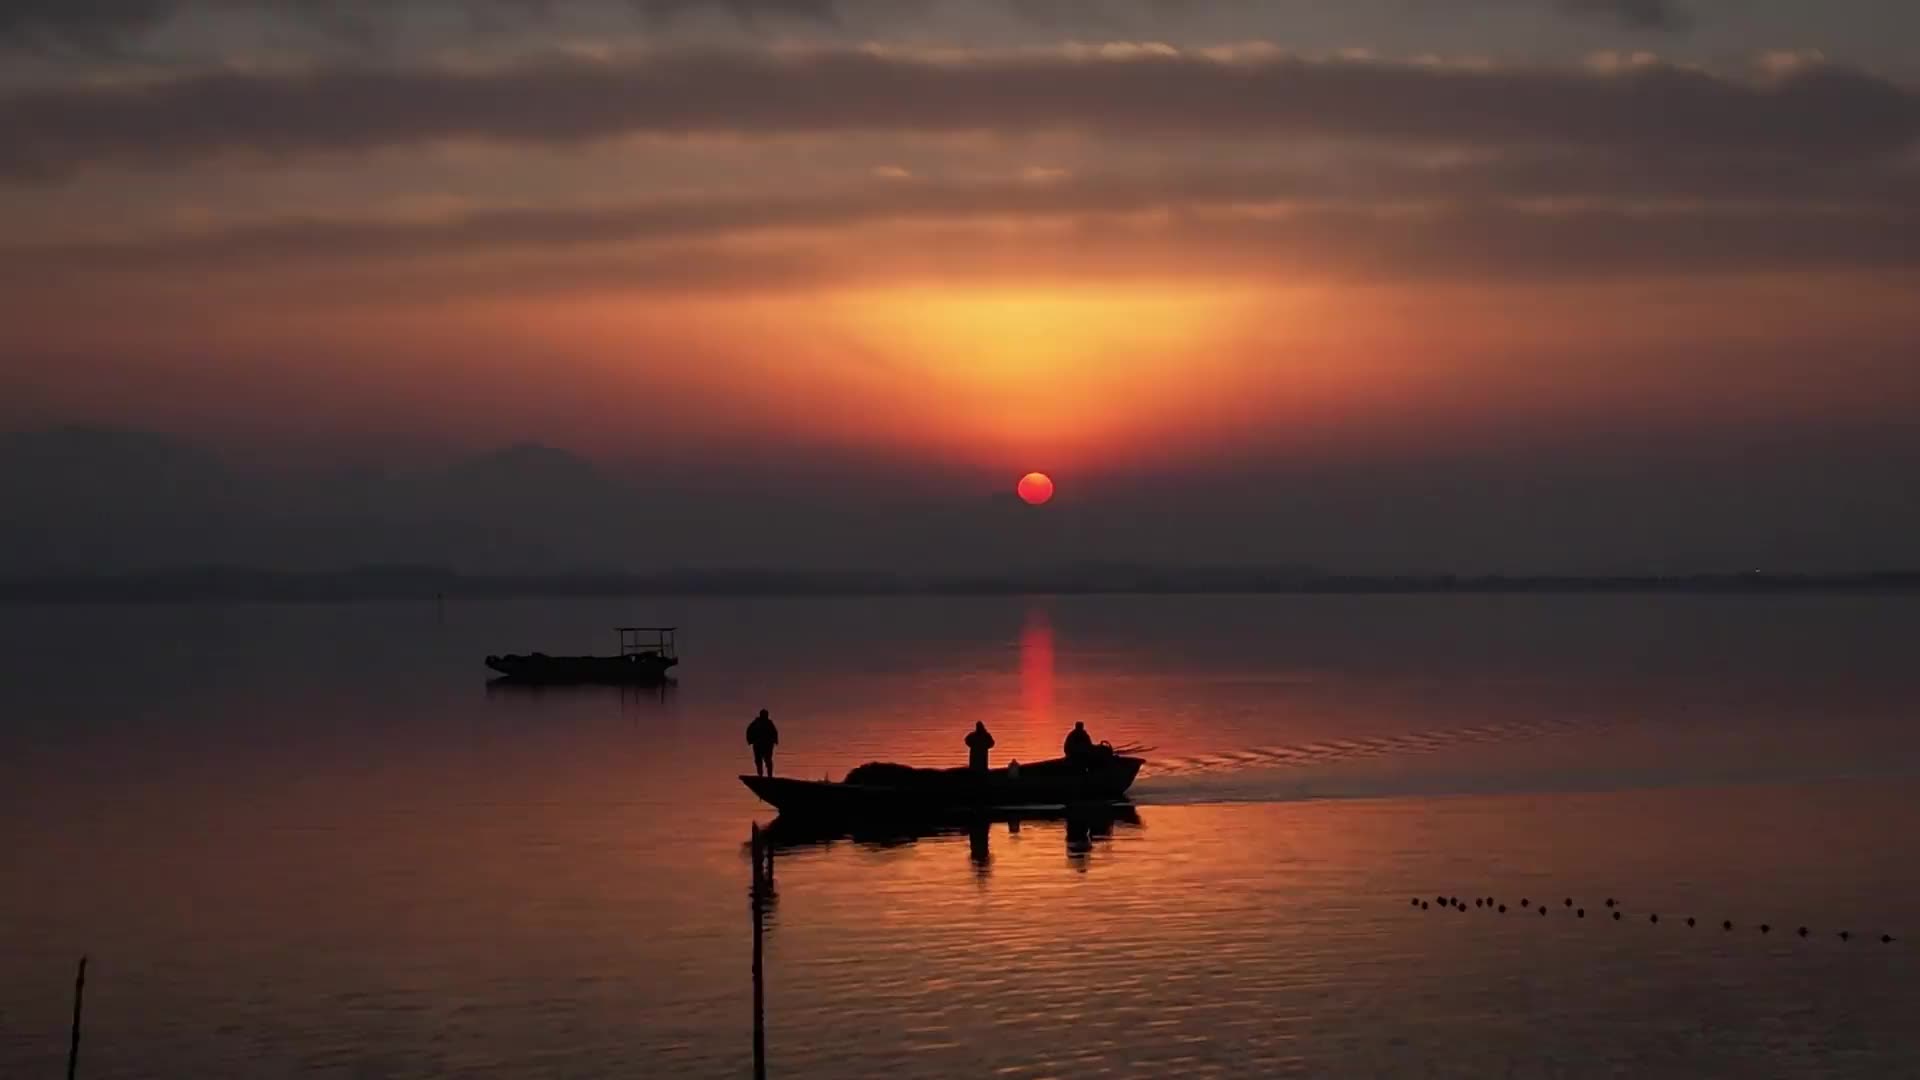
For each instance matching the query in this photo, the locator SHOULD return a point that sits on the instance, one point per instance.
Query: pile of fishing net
(886, 773)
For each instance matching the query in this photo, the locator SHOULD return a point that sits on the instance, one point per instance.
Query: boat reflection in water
(1082, 824)
(509, 689)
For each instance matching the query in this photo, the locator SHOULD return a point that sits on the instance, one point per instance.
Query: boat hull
(540, 669)
(931, 794)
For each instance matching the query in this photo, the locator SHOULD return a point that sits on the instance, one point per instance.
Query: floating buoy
(1616, 909)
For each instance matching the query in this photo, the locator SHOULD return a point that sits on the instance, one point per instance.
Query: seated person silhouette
(1079, 746)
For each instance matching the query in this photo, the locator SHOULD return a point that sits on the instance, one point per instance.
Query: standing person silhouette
(763, 737)
(979, 741)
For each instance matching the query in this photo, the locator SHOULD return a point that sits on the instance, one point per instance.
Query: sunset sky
(1490, 263)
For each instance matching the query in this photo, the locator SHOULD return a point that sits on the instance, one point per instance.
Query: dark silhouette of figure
(979, 741)
(1079, 745)
(763, 737)
(762, 902)
(1079, 836)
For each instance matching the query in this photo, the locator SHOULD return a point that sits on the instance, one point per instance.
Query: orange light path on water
(1036, 672)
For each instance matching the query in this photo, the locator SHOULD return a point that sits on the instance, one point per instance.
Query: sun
(1036, 488)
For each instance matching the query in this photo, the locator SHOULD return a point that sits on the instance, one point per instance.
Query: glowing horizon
(955, 244)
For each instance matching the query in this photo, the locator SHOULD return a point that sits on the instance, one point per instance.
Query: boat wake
(1336, 751)
(1312, 770)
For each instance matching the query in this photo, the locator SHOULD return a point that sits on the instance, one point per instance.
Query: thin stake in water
(79, 995)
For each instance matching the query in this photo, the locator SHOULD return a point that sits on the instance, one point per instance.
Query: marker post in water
(79, 995)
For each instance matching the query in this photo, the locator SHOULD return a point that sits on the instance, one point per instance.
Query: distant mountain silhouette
(86, 502)
(111, 500)
(79, 497)
(90, 465)
(527, 507)
(526, 469)
(97, 500)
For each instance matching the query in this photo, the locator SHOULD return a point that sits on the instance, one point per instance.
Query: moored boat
(647, 654)
(880, 790)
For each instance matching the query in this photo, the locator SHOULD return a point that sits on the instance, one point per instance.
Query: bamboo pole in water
(79, 994)
(759, 985)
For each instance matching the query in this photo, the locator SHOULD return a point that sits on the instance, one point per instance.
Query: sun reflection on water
(1036, 668)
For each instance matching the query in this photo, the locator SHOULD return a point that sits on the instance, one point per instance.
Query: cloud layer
(1638, 14)
(1430, 170)
(1520, 215)
(1811, 112)
(106, 27)
(89, 26)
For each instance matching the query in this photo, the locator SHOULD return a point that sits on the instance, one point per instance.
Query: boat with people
(878, 789)
(647, 655)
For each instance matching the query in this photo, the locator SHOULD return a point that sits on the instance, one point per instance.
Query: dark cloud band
(1814, 113)
(1680, 194)
(98, 27)
(1637, 14)
(561, 253)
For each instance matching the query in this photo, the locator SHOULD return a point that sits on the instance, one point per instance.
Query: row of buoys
(1488, 903)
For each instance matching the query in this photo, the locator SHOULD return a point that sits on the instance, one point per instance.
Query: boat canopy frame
(641, 640)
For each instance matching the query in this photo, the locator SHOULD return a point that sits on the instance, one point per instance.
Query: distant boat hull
(539, 669)
(925, 794)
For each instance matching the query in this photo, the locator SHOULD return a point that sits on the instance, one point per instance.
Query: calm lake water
(310, 841)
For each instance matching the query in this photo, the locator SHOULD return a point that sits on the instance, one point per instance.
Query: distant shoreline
(401, 584)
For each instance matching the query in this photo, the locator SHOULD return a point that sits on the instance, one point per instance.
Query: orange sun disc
(1036, 488)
